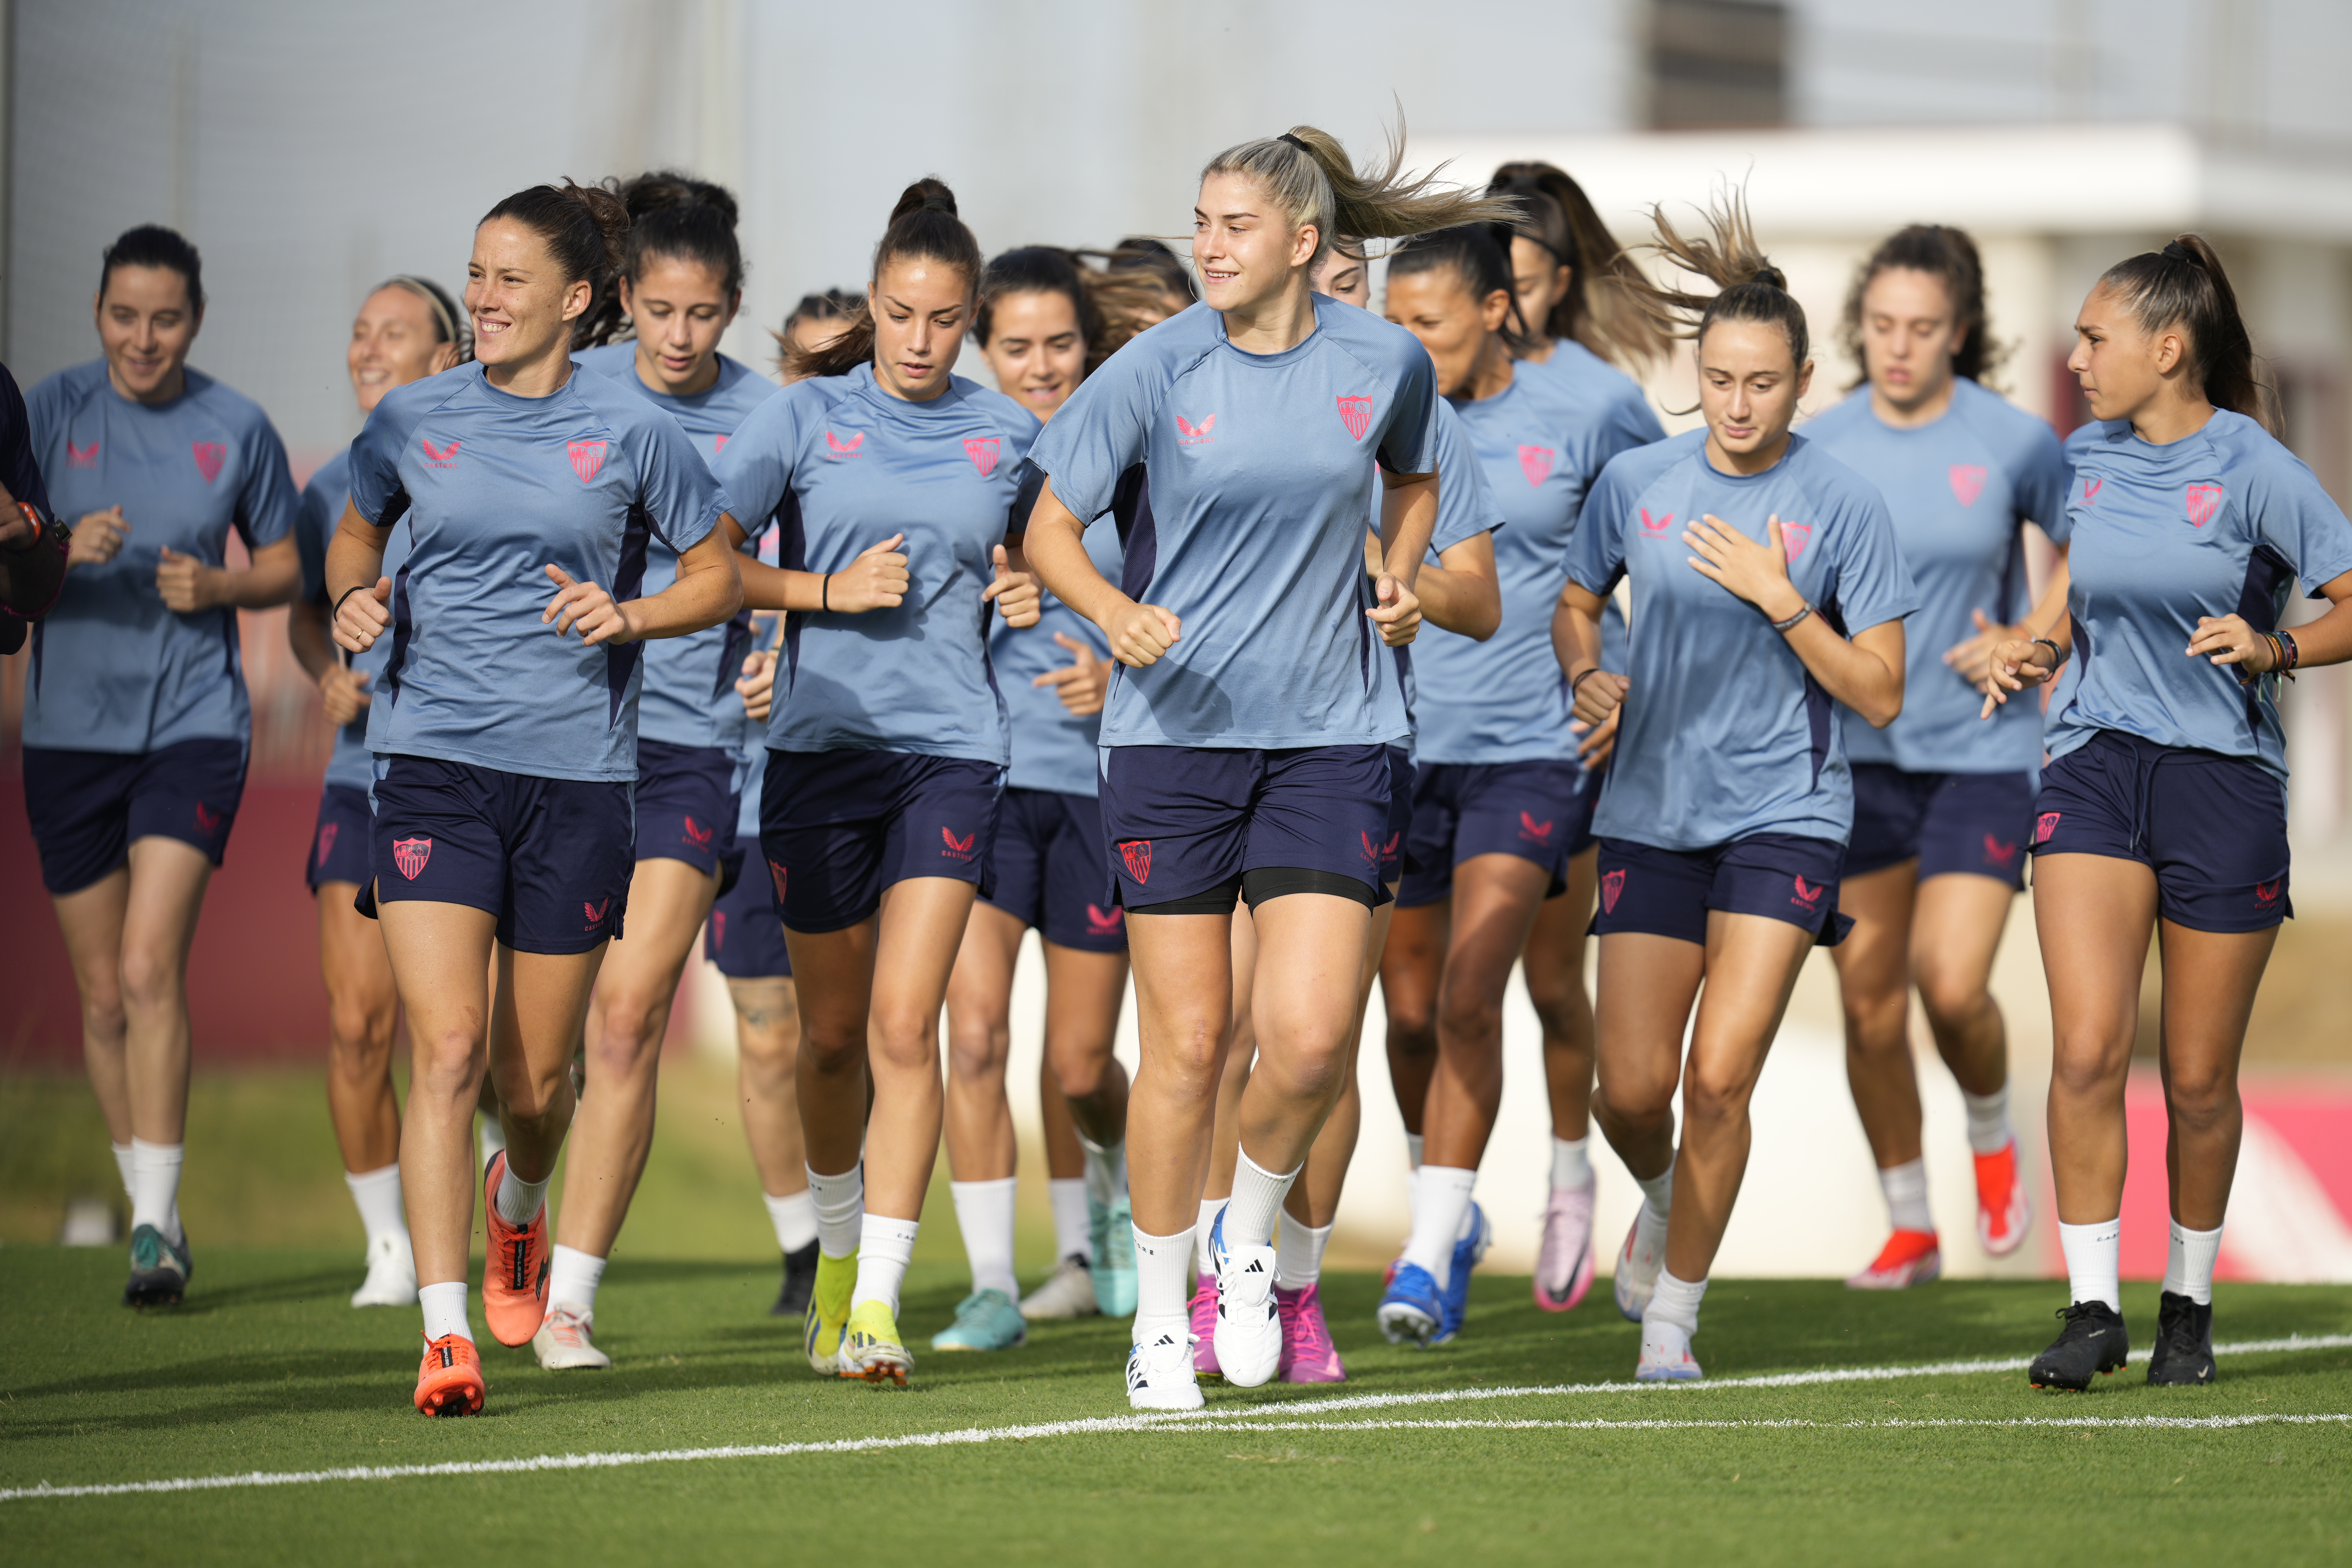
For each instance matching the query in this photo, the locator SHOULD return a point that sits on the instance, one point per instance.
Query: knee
(102, 1013)
(1186, 1050)
(1080, 1074)
(359, 1027)
(1876, 1019)
(445, 1064)
(1635, 1110)
(1412, 1024)
(632, 1022)
(1951, 1000)
(2092, 1068)
(151, 981)
(1715, 1096)
(1466, 1018)
(976, 1052)
(2201, 1100)
(903, 1038)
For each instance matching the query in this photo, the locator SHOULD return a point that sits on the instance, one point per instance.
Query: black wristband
(824, 592)
(2057, 654)
(335, 613)
(1576, 681)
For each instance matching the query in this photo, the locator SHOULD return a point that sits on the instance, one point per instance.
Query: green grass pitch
(267, 1370)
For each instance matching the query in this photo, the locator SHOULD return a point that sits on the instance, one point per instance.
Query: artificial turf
(266, 1369)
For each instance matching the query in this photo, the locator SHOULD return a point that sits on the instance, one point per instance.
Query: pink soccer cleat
(1204, 1312)
(1564, 1260)
(1308, 1353)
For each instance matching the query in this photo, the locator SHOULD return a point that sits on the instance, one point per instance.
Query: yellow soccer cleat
(871, 1350)
(828, 1312)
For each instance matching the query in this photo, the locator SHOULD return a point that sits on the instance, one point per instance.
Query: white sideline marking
(1250, 1416)
(1602, 1424)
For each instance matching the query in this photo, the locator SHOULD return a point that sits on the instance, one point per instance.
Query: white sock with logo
(1988, 1129)
(794, 1217)
(377, 1195)
(1298, 1260)
(1906, 1187)
(155, 1186)
(985, 1215)
(1160, 1285)
(1073, 1232)
(2093, 1259)
(572, 1277)
(1437, 1221)
(885, 1247)
(2188, 1262)
(1571, 1163)
(1257, 1198)
(840, 1209)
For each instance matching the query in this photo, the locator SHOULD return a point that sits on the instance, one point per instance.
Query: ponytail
(1939, 252)
(2183, 286)
(585, 228)
(1476, 254)
(923, 226)
(676, 215)
(1748, 286)
(1307, 173)
(1607, 307)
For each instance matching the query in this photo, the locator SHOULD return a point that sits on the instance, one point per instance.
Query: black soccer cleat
(2184, 1343)
(800, 1282)
(2092, 1341)
(159, 1271)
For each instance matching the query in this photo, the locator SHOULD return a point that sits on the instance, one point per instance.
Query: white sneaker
(1249, 1337)
(564, 1342)
(1069, 1292)
(1638, 1262)
(1666, 1355)
(1160, 1375)
(391, 1273)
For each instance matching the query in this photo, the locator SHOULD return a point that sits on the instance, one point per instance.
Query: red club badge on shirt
(210, 456)
(982, 450)
(1967, 482)
(1355, 414)
(1794, 537)
(587, 459)
(1535, 463)
(2203, 502)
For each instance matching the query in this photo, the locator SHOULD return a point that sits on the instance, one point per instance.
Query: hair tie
(939, 204)
(2179, 252)
(1770, 275)
(1294, 141)
(425, 291)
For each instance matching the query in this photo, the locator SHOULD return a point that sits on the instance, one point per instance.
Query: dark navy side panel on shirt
(2220, 522)
(492, 488)
(1052, 747)
(1260, 482)
(113, 669)
(1725, 734)
(1466, 508)
(688, 697)
(350, 765)
(1960, 490)
(841, 465)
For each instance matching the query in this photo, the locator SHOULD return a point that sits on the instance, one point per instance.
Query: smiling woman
(504, 819)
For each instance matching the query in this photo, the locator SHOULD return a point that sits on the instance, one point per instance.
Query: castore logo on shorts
(959, 849)
(1533, 831)
(596, 912)
(1808, 896)
(326, 842)
(1105, 922)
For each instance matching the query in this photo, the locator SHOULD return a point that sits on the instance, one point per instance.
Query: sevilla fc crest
(587, 459)
(410, 854)
(210, 456)
(1137, 853)
(1612, 886)
(982, 451)
(2203, 501)
(1355, 414)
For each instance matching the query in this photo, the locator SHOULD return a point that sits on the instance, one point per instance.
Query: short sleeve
(1466, 505)
(268, 504)
(20, 470)
(2292, 514)
(378, 492)
(1873, 583)
(1102, 431)
(1630, 423)
(1411, 443)
(1026, 480)
(2041, 482)
(675, 486)
(2060, 524)
(1596, 551)
(314, 524)
(755, 467)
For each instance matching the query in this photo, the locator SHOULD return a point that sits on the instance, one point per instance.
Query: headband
(432, 298)
(1294, 141)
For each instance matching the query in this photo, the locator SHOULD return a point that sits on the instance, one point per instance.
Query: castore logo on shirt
(842, 448)
(2091, 488)
(1535, 463)
(80, 456)
(1655, 527)
(2203, 502)
(1355, 414)
(439, 457)
(210, 456)
(982, 450)
(1191, 435)
(1967, 482)
(587, 459)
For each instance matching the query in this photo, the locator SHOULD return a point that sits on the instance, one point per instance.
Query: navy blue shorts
(87, 808)
(1182, 820)
(745, 937)
(1969, 823)
(1668, 892)
(687, 805)
(1401, 774)
(1530, 809)
(1048, 867)
(550, 858)
(2213, 828)
(341, 848)
(839, 827)
(1588, 806)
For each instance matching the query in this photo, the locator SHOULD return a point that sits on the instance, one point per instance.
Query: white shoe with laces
(1248, 1338)
(565, 1340)
(1666, 1354)
(1637, 1269)
(391, 1273)
(1068, 1293)
(1160, 1375)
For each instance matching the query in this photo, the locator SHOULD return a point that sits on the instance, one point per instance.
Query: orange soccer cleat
(1909, 1257)
(514, 1280)
(2003, 1211)
(450, 1383)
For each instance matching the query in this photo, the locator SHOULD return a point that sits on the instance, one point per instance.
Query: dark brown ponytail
(2183, 286)
(1748, 286)
(1606, 308)
(924, 228)
(587, 228)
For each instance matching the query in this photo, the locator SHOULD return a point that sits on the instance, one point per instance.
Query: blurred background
(311, 149)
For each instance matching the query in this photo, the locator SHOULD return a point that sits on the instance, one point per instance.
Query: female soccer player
(1245, 745)
(816, 320)
(503, 814)
(1040, 322)
(680, 282)
(1499, 791)
(1578, 296)
(1942, 802)
(886, 748)
(407, 328)
(1740, 650)
(136, 719)
(2164, 807)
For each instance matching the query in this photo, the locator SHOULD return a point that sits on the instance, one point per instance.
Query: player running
(895, 482)
(1500, 791)
(1245, 743)
(137, 725)
(2164, 807)
(680, 283)
(1751, 554)
(407, 328)
(1943, 804)
(508, 750)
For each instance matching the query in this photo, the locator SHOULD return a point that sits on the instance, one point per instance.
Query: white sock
(840, 1209)
(1989, 1130)
(1160, 1285)
(1438, 1219)
(885, 1247)
(123, 1162)
(1571, 1163)
(494, 1138)
(1658, 1204)
(377, 1194)
(445, 1309)
(1257, 1198)
(2094, 1254)
(1906, 1187)
(155, 1186)
(1201, 1264)
(985, 1215)
(572, 1277)
(1412, 1142)
(1677, 1301)
(519, 1200)
(1298, 1261)
(2188, 1263)
(1106, 1170)
(794, 1217)
(1073, 1230)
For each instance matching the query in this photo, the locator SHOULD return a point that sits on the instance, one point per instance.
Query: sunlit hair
(1307, 173)
(827, 305)
(1746, 285)
(1606, 307)
(2183, 286)
(923, 228)
(585, 228)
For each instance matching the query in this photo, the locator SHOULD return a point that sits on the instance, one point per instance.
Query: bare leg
(768, 1042)
(363, 1012)
(91, 921)
(979, 1114)
(1184, 1012)
(1553, 965)
(2210, 981)
(1302, 1009)
(2094, 915)
(1956, 934)
(1412, 962)
(1225, 1153)
(1495, 898)
(1084, 993)
(1314, 1199)
(1875, 981)
(1647, 986)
